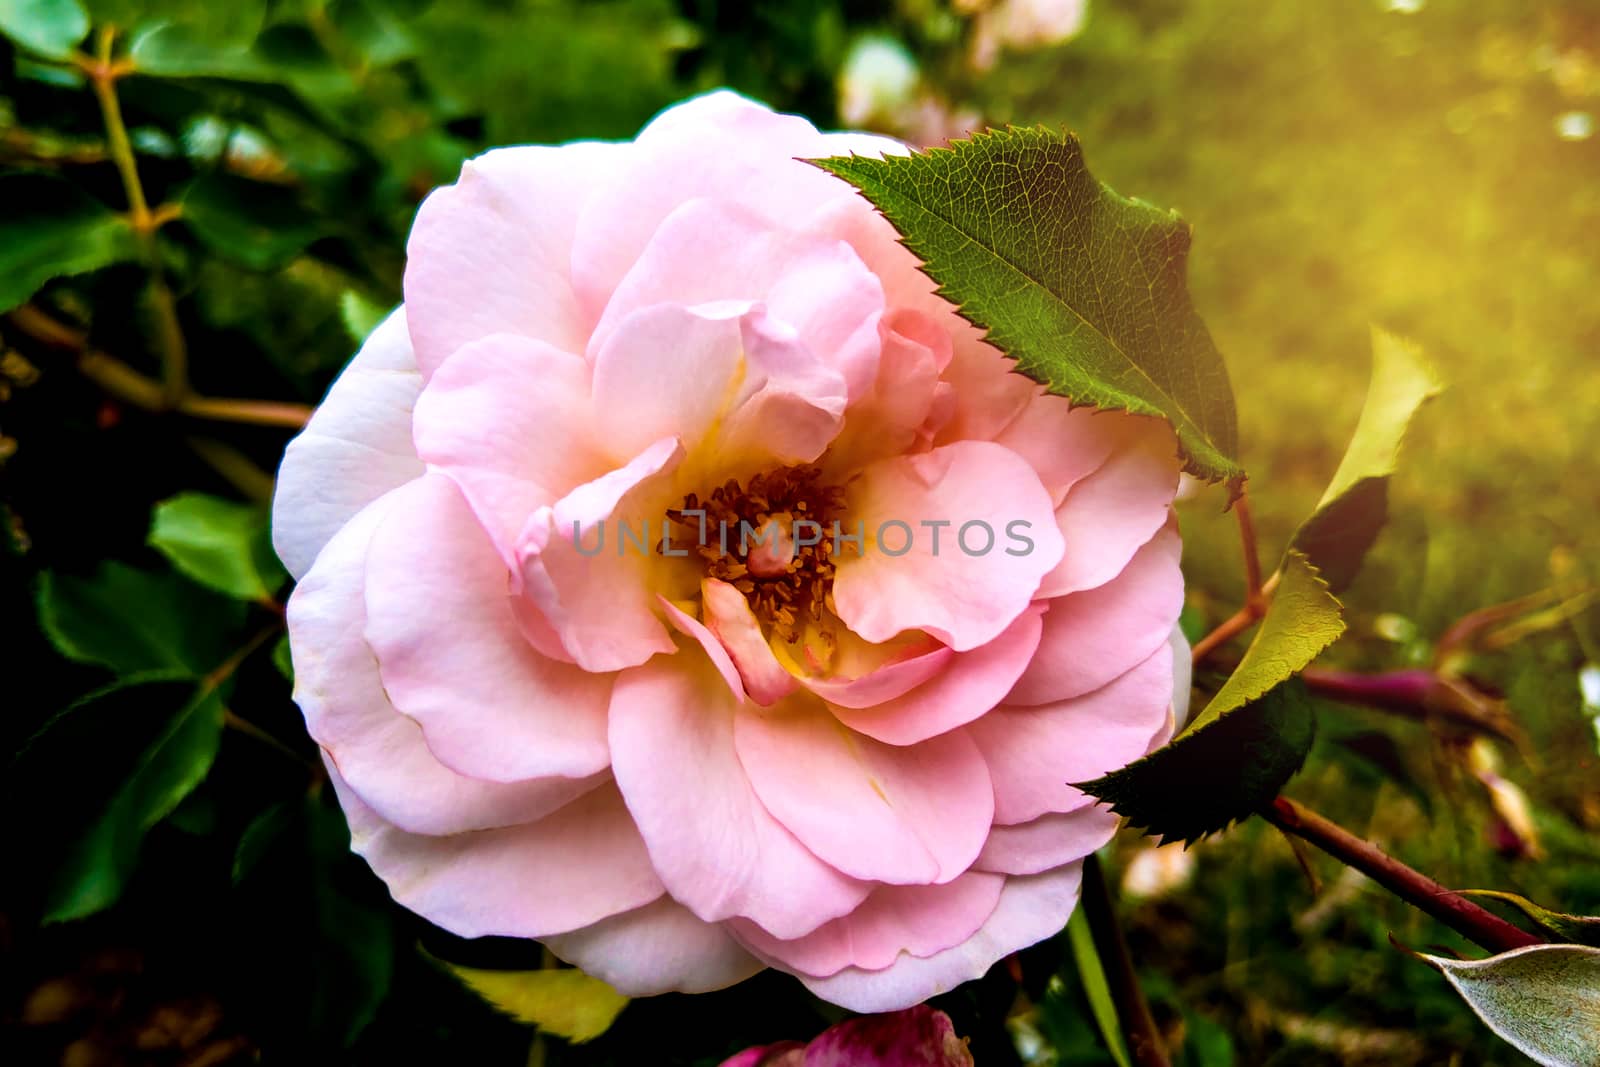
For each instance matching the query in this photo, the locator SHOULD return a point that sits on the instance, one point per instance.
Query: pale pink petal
(720, 146)
(1048, 841)
(901, 412)
(915, 815)
(791, 404)
(919, 920)
(1093, 636)
(691, 627)
(509, 420)
(571, 869)
(1030, 909)
(818, 288)
(492, 253)
(1182, 676)
(964, 582)
(659, 948)
(989, 393)
(969, 686)
(356, 447)
(1109, 514)
(379, 752)
(1035, 752)
(716, 847)
(901, 666)
(453, 658)
(1067, 443)
(595, 587)
(729, 617)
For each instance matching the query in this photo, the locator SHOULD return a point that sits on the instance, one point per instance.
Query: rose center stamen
(771, 539)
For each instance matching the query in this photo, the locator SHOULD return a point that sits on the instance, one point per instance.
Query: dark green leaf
(1210, 778)
(105, 771)
(50, 229)
(257, 225)
(1543, 1000)
(281, 658)
(131, 620)
(318, 925)
(1354, 507)
(221, 544)
(1085, 289)
(1573, 929)
(205, 22)
(50, 28)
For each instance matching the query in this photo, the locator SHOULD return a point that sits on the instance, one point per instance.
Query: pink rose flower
(916, 1037)
(675, 766)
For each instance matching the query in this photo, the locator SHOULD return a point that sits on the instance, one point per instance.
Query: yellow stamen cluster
(787, 495)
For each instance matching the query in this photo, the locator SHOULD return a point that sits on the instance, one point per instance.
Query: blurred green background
(1429, 165)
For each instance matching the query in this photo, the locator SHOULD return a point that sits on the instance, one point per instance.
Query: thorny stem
(1415, 888)
(103, 76)
(1257, 594)
(128, 385)
(1133, 1011)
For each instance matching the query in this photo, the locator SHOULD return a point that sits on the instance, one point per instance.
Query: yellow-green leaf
(1303, 619)
(564, 1002)
(1543, 1000)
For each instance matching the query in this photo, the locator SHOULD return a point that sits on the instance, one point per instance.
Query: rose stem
(1138, 1026)
(1414, 887)
(1256, 592)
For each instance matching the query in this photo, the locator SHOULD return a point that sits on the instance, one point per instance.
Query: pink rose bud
(916, 1037)
(558, 702)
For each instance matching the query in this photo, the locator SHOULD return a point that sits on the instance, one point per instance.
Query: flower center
(771, 539)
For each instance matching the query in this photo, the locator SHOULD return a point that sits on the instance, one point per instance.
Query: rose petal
(380, 753)
(1030, 909)
(356, 447)
(659, 948)
(492, 253)
(454, 659)
(718, 850)
(729, 617)
(1094, 636)
(1048, 841)
(918, 920)
(1035, 752)
(961, 595)
(917, 1037)
(915, 815)
(969, 686)
(571, 869)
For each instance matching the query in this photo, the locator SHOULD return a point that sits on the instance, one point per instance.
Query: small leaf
(360, 315)
(1354, 507)
(258, 225)
(223, 545)
(1085, 289)
(131, 620)
(105, 771)
(51, 229)
(1573, 929)
(1208, 779)
(1303, 619)
(282, 658)
(1543, 1000)
(50, 28)
(1095, 986)
(565, 1002)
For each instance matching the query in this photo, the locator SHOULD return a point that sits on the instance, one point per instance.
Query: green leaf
(1303, 619)
(105, 771)
(51, 229)
(282, 659)
(1253, 735)
(1210, 778)
(1543, 1000)
(1095, 986)
(1574, 929)
(1085, 289)
(1352, 511)
(360, 315)
(50, 28)
(320, 920)
(130, 620)
(565, 1002)
(258, 225)
(221, 544)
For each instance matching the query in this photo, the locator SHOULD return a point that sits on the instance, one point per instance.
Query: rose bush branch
(1258, 593)
(128, 385)
(1133, 1011)
(1415, 888)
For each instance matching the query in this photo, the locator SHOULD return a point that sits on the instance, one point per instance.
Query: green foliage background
(1341, 164)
